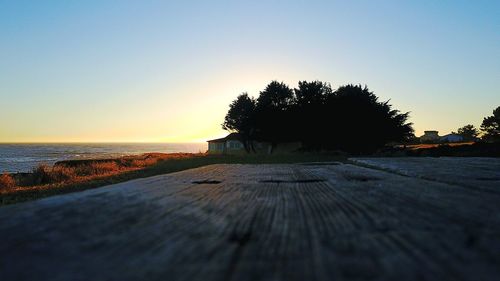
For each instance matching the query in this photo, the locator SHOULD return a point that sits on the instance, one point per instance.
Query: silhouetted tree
(491, 126)
(350, 118)
(308, 111)
(273, 113)
(311, 93)
(241, 118)
(468, 132)
(358, 122)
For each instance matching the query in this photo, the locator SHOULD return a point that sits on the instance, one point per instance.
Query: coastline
(23, 157)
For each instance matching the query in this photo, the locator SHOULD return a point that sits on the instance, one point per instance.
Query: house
(433, 137)
(452, 138)
(233, 144)
(430, 137)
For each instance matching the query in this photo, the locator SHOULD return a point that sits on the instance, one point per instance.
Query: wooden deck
(325, 221)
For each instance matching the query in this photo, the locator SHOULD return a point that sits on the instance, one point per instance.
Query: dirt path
(261, 222)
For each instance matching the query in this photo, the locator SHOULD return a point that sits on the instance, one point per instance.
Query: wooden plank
(257, 222)
(474, 172)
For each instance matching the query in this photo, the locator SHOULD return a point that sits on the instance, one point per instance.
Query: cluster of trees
(350, 118)
(468, 132)
(489, 131)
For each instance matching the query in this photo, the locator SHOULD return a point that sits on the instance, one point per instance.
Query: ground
(370, 219)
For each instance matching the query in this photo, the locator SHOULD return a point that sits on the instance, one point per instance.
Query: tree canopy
(358, 122)
(241, 117)
(350, 118)
(273, 114)
(491, 126)
(468, 132)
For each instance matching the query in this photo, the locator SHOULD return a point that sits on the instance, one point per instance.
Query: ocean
(23, 157)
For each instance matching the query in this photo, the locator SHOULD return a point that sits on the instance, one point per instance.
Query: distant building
(233, 144)
(430, 136)
(433, 137)
(452, 138)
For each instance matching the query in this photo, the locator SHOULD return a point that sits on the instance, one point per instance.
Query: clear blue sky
(167, 70)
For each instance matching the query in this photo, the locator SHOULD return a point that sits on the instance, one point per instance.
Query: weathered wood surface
(261, 222)
(474, 172)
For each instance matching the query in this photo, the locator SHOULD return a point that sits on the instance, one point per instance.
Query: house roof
(232, 136)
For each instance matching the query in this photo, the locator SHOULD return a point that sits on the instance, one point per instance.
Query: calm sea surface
(23, 157)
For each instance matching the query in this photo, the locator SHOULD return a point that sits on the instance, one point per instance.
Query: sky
(166, 71)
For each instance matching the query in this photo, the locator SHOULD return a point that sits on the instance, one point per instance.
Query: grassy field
(77, 175)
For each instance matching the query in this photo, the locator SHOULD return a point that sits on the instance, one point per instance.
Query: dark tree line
(489, 130)
(350, 118)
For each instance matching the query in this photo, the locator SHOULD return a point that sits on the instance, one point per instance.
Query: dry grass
(95, 169)
(73, 172)
(144, 163)
(77, 175)
(6, 181)
(432, 145)
(45, 178)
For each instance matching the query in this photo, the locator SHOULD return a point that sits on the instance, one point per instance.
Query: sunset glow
(129, 71)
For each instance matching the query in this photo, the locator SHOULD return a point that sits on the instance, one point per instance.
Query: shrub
(144, 162)
(96, 168)
(75, 171)
(41, 174)
(83, 170)
(99, 168)
(44, 174)
(62, 174)
(6, 181)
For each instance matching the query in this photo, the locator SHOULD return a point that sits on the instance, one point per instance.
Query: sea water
(23, 157)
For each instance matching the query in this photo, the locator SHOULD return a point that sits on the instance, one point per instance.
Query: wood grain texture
(474, 172)
(258, 222)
